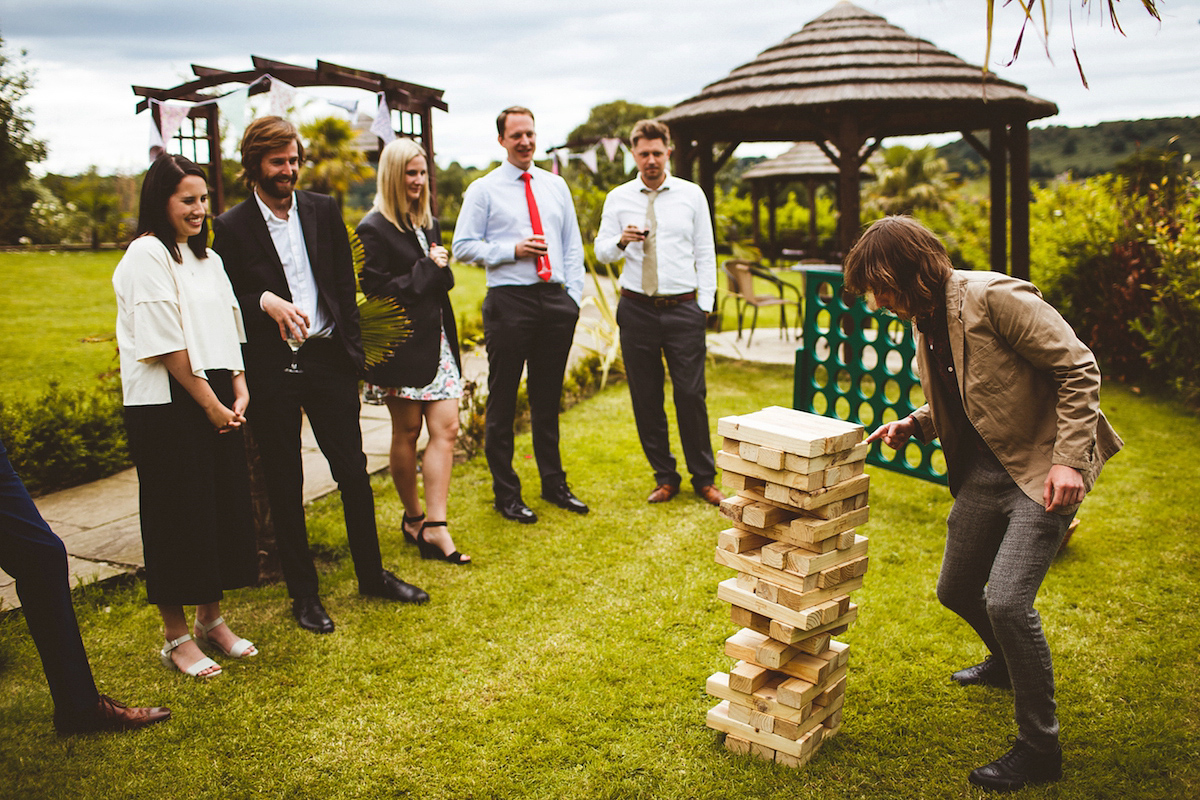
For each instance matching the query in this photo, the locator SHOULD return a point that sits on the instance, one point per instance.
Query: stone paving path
(98, 521)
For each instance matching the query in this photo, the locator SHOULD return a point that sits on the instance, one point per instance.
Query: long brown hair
(901, 257)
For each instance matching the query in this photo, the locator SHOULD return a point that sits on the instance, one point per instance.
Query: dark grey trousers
(999, 547)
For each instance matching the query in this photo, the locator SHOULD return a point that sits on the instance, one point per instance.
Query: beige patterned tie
(649, 254)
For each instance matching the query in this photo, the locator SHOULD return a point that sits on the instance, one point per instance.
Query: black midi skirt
(194, 494)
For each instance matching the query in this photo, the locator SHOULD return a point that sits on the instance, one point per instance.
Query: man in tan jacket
(1015, 398)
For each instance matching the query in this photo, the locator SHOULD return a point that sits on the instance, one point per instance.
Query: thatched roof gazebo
(805, 163)
(847, 77)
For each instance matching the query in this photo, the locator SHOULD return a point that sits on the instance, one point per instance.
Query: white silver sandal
(239, 647)
(195, 669)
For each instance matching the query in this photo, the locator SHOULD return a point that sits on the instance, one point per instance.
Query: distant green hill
(1086, 151)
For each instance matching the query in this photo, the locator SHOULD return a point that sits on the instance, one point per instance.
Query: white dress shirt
(687, 256)
(288, 237)
(163, 307)
(495, 217)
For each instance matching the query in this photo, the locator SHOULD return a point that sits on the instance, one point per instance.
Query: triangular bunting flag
(170, 118)
(589, 160)
(233, 106)
(382, 126)
(280, 98)
(611, 145)
(349, 105)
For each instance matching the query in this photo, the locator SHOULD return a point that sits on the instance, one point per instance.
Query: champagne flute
(294, 367)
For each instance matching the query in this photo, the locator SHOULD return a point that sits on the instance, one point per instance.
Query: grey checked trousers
(999, 546)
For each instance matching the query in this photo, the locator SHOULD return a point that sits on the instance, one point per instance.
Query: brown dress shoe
(711, 494)
(109, 715)
(662, 493)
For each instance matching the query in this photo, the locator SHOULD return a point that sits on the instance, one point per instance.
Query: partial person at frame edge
(37, 561)
(421, 381)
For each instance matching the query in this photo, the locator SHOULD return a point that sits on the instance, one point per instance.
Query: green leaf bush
(66, 437)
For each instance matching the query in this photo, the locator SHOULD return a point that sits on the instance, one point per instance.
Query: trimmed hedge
(66, 436)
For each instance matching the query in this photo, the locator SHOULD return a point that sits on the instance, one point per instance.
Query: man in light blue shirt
(518, 221)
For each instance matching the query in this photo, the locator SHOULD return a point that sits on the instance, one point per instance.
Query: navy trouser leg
(37, 559)
(641, 350)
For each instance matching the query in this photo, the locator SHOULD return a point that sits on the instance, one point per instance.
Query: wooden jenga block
(826, 697)
(749, 716)
(796, 480)
(804, 619)
(763, 700)
(775, 554)
(736, 744)
(840, 473)
(809, 500)
(781, 532)
(760, 514)
(730, 445)
(807, 528)
(795, 463)
(792, 431)
(746, 645)
(802, 562)
(814, 645)
(718, 719)
(840, 507)
(785, 631)
(736, 540)
(845, 540)
(794, 762)
(774, 654)
(799, 694)
(732, 507)
(769, 457)
(746, 581)
(748, 619)
(786, 589)
(748, 678)
(739, 482)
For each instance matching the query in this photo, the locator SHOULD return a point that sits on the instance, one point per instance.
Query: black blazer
(241, 238)
(395, 266)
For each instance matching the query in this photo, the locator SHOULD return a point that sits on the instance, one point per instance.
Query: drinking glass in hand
(294, 367)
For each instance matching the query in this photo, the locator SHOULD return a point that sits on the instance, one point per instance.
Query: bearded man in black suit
(288, 257)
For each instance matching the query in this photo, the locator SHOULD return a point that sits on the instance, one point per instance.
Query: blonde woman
(422, 380)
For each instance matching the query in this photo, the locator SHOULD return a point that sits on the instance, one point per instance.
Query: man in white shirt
(519, 222)
(661, 226)
(287, 254)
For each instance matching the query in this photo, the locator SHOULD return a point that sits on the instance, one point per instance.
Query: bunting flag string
(382, 126)
(280, 98)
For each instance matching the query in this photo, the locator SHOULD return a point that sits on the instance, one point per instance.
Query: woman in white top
(179, 332)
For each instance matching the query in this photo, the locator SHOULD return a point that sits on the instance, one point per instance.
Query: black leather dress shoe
(1022, 766)
(516, 510)
(990, 672)
(562, 497)
(392, 588)
(108, 715)
(311, 615)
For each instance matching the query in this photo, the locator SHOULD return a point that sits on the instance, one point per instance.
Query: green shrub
(66, 436)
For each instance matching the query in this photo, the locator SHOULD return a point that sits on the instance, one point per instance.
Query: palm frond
(382, 322)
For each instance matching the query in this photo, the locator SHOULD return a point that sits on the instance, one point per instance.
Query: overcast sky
(559, 57)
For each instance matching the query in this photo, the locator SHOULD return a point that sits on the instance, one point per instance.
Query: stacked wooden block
(801, 493)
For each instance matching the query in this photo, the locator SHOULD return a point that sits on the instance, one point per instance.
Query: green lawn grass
(52, 303)
(569, 661)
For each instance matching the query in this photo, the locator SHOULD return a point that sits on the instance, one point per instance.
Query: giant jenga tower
(801, 493)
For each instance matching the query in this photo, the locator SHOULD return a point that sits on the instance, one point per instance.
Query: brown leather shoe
(109, 715)
(711, 494)
(662, 493)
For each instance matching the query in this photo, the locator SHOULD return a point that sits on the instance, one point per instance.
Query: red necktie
(543, 262)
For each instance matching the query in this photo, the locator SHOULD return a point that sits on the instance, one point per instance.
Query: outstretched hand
(895, 434)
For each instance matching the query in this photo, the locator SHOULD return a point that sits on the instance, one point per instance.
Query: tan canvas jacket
(1029, 385)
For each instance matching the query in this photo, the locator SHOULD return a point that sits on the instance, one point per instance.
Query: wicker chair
(739, 277)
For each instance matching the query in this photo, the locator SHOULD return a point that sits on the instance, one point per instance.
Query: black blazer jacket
(395, 266)
(241, 238)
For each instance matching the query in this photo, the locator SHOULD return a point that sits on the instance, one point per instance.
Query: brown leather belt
(659, 300)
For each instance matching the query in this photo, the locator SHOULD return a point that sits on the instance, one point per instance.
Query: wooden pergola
(414, 102)
(804, 163)
(845, 81)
